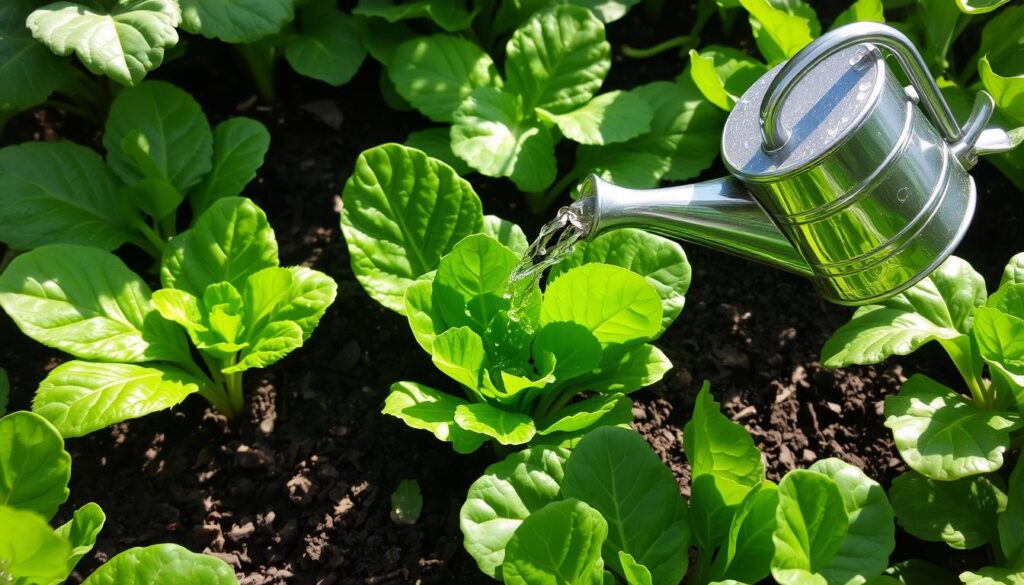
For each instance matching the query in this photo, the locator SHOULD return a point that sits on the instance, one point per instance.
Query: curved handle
(775, 135)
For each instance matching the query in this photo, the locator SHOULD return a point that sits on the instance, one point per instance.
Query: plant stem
(261, 59)
(152, 238)
(682, 41)
(168, 227)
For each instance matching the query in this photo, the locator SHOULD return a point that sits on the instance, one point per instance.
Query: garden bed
(300, 491)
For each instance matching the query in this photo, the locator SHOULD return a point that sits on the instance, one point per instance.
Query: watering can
(836, 172)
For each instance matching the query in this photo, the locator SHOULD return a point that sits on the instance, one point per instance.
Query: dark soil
(300, 492)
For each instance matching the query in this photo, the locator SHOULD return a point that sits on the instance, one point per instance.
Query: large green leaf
(471, 280)
(505, 427)
(81, 531)
(34, 467)
(602, 409)
(162, 563)
(1002, 49)
(450, 16)
(616, 472)
(993, 576)
(326, 45)
(230, 241)
(940, 307)
(401, 212)
(615, 116)
(1000, 340)
(436, 73)
(659, 260)
(236, 21)
(560, 544)
(81, 397)
(29, 72)
(870, 538)
(861, 11)
(723, 74)
(239, 145)
(59, 192)
(683, 141)
(422, 407)
(961, 513)
(88, 303)
(781, 27)
(509, 234)
(459, 352)
(506, 494)
(123, 43)
(497, 138)
(942, 435)
(558, 59)
(173, 126)
(725, 466)
(437, 143)
(747, 554)
(811, 524)
(30, 549)
(1014, 271)
(616, 305)
(1011, 521)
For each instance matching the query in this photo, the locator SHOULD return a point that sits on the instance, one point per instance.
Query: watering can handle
(775, 135)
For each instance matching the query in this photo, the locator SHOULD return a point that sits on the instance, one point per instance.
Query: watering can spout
(719, 214)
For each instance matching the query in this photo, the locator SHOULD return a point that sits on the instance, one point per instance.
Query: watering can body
(838, 172)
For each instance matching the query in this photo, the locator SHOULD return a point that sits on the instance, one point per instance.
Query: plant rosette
(613, 512)
(222, 289)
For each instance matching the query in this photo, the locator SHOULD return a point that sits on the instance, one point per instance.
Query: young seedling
(222, 286)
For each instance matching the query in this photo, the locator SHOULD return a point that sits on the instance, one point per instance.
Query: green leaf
(749, 549)
(616, 472)
(425, 318)
(31, 550)
(34, 467)
(781, 27)
(615, 116)
(635, 573)
(860, 11)
(558, 544)
(1014, 271)
(174, 126)
(29, 72)
(81, 397)
(422, 407)
(568, 349)
(604, 409)
(871, 536)
(162, 563)
(506, 494)
(607, 10)
(236, 21)
(1000, 341)
(402, 211)
(59, 192)
(979, 6)
(725, 465)
(659, 260)
(723, 74)
(494, 136)
(102, 313)
(156, 197)
(558, 59)
(918, 572)
(625, 369)
(993, 576)
(943, 436)
(1007, 90)
(81, 532)
(436, 73)
(507, 233)
(450, 16)
(811, 524)
(239, 145)
(123, 43)
(616, 305)
(1011, 522)
(508, 428)
(471, 280)
(437, 144)
(406, 502)
(961, 513)
(684, 139)
(459, 352)
(940, 307)
(326, 46)
(229, 242)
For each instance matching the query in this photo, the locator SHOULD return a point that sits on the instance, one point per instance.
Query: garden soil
(299, 492)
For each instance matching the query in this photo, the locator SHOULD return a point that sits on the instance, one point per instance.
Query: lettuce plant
(160, 151)
(420, 246)
(614, 513)
(34, 474)
(222, 286)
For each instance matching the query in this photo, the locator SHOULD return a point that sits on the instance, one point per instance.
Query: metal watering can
(837, 174)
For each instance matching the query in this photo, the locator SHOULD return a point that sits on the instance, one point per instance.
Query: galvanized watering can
(837, 174)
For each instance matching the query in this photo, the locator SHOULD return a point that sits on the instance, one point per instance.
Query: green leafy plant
(420, 246)
(34, 474)
(222, 286)
(614, 514)
(160, 151)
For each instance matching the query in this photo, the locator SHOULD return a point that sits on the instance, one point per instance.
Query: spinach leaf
(34, 467)
(162, 563)
(238, 21)
(30, 548)
(326, 45)
(573, 531)
(962, 513)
